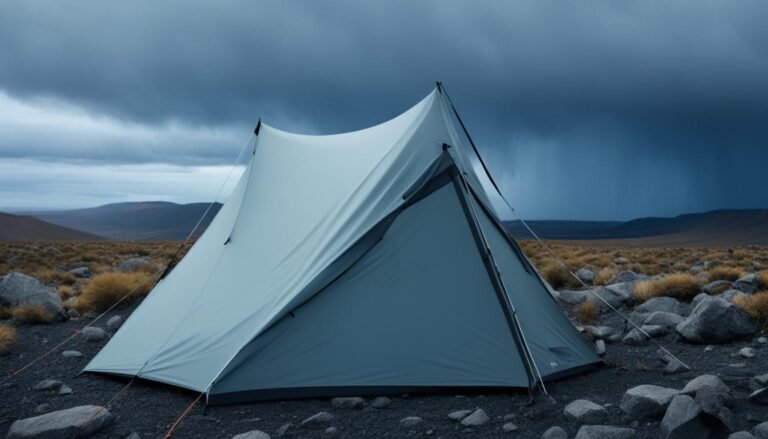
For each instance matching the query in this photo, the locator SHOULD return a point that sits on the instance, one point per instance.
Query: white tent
(356, 263)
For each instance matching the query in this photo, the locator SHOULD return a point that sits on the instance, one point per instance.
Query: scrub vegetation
(106, 289)
(31, 314)
(8, 337)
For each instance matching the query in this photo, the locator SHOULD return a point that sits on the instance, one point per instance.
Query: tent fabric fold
(345, 263)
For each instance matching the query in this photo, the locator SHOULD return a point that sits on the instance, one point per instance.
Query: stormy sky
(583, 110)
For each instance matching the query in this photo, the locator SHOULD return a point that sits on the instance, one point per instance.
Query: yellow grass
(604, 275)
(681, 286)
(756, 305)
(50, 276)
(106, 289)
(558, 277)
(725, 273)
(8, 336)
(65, 292)
(762, 279)
(587, 312)
(31, 313)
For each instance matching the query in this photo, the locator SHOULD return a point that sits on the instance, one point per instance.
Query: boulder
(729, 295)
(647, 400)
(717, 287)
(380, 402)
(318, 418)
(604, 432)
(759, 396)
(478, 417)
(410, 421)
(253, 434)
(19, 289)
(625, 276)
(555, 433)
(458, 415)
(114, 322)
(663, 318)
(666, 304)
(702, 381)
(81, 272)
(583, 411)
(87, 419)
(713, 403)
(93, 333)
(133, 264)
(586, 275)
(682, 419)
(748, 283)
(351, 402)
(716, 321)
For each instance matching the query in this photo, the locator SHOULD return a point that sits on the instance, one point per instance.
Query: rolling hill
(28, 228)
(151, 220)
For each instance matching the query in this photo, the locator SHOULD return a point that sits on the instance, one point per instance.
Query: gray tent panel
(557, 348)
(417, 311)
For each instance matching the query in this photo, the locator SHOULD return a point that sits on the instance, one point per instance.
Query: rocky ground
(716, 339)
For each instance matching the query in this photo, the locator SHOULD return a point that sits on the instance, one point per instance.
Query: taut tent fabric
(363, 262)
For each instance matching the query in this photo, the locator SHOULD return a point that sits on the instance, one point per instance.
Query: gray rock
(748, 283)
(509, 427)
(617, 294)
(701, 297)
(759, 396)
(635, 338)
(716, 321)
(253, 434)
(48, 385)
(673, 366)
(600, 332)
(555, 433)
(43, 408)
(741, 435)
(666, 304)
(758, 382)
(351, 402)
(647, 400)
(683, 420)
(133, 264)
(331, 431)
(87, 419)
(114, 322)
(747, 352)
(729, 295)
(762, 340)
(573, 297)
(702, 381)
(478, 417)
(410, 421)
(283, 429)
(19, 289)
(717, 287)
(586, 275)
(72, 354)
(319, 418)
(625, 276)
(458, 415)
(713, 403)
(380, 402)
(583, 411)
(93, 333)
(655, 330)
(663, 318)
(73, 313)
(761, 430)
(133, 435)
(600, 347)
(81, 272)
(604, 432)
(65, 390)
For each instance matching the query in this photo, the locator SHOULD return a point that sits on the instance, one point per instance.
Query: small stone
(741, 435)
(583, 411)
(760, 431)
(509, 426)
(555, 433)
(114, 322)
(93, 333)
(759, 382)
(410, 421)
(747, 353)
(65, 390)
(48, 385)
(701, 381)
(81, 272)
(353, 402)
(600, 347)
(73, 313)
(458, 415)
(646, 400)
(319, 418)
(762, 340)
(380, 402)
(43, 408)
(635, 338)
(72, 354)
(478, 417)
(283, 429)
(133, 435)
(673, 366)
(85, 421)
(254, 434)
(331, 431)
(759, 396)
(709, 348)
(604, 432)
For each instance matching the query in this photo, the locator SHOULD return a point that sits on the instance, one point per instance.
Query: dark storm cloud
(616, 109)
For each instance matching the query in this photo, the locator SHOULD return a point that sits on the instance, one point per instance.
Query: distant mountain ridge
(716, 228)
(146, 220)
(29, 228)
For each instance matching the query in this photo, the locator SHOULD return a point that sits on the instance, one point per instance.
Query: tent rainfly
(368, 262)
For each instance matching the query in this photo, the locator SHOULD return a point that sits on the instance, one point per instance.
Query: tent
(367, 262)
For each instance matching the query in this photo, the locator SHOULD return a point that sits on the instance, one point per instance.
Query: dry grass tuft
(762, 279)
(756, 305)
(50, 276)
(31, 313)
(558, 277)
(8, 336)
(725, 273)
(107, 289)
(587, 312)
(681, 286)
(65, 292)
(604, 275)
